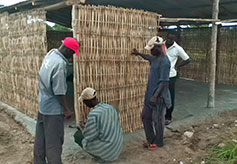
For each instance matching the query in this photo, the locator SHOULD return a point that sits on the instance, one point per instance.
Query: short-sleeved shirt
(52, 82)
(159, 72)
(174, 52)
(103, 134)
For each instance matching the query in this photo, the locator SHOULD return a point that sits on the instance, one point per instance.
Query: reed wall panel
(107, 36)
(23, 46)
(227, 56)
(197, 43)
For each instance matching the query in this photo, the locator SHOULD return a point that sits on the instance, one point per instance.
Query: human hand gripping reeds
(135, 52)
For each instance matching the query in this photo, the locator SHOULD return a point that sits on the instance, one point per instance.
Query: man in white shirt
(174, 51)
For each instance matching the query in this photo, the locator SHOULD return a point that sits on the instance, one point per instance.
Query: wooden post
(75, 58)
(211, 94)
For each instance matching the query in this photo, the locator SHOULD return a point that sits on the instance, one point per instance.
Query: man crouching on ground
(102, 136)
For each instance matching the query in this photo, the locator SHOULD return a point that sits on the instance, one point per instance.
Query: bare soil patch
(16, 144)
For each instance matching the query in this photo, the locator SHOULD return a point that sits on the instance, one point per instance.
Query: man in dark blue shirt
(157, 96)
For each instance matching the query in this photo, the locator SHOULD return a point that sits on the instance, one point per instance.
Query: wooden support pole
(75, 64)
(56, 6)
(173, 20)
(63, 4)
(189, 21)
(229, 21)
(212, 79)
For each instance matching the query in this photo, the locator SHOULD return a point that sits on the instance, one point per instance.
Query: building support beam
(212, 78)
(173, 20)
(63, 4)
(229, 21)
(190, 21)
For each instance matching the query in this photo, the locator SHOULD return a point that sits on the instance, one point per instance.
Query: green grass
(223, 155)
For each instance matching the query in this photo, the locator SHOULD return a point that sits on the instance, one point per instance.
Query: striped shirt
(103, 133)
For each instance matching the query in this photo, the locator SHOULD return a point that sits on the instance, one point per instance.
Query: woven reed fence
(227, 56)
(107, 36)
(23, 46)
(196, 42)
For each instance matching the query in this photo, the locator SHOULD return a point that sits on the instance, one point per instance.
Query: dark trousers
(170, 110)
(49, 139)
(153, 118)
(78, 137)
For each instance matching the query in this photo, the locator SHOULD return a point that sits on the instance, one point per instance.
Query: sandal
(152, 146)
(146, 144)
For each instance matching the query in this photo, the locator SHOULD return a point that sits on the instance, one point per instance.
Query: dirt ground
(16, 145)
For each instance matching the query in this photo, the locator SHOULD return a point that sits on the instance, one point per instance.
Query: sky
(9, 2)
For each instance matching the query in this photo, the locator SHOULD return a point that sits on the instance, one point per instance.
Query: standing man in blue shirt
(53, 106)
(157, 96)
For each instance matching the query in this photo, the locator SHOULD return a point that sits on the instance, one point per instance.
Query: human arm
(182, 63)
(144, 56)
(91, 130)
(185, 58)
(63, 100)
(157, 98)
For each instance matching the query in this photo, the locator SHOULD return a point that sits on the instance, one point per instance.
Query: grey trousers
(153, 118)
(49, 139)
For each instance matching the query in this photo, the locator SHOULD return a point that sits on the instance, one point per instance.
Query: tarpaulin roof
(61, 13)
(176, 8)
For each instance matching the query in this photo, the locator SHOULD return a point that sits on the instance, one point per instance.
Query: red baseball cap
(72, 43)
